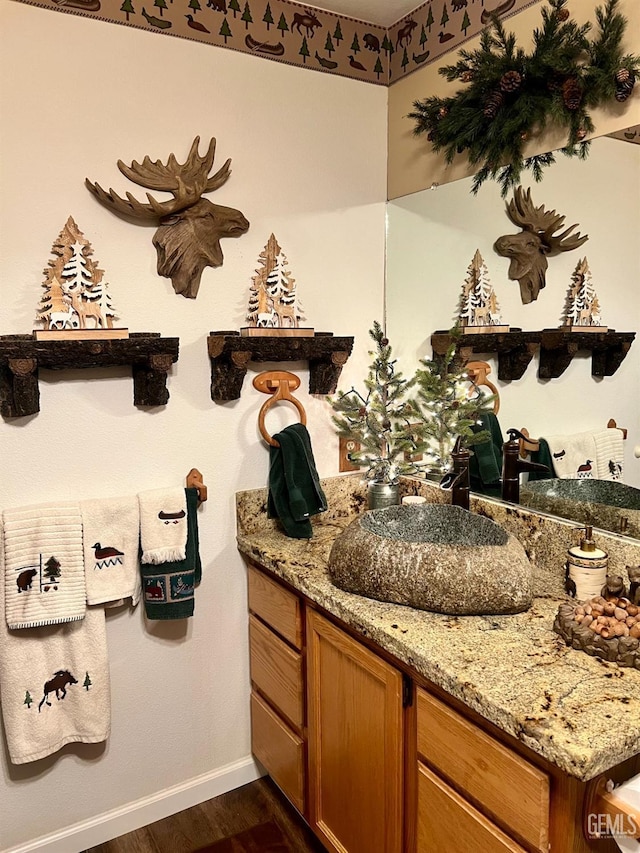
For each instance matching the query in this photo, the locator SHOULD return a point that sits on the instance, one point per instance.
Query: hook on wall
(279, 384)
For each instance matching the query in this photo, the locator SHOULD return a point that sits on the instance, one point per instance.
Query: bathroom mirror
(431, 240)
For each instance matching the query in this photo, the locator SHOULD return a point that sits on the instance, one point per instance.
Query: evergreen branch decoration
(512, 96)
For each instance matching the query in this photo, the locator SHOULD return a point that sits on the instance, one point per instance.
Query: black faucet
(513, 465)
(458, 478)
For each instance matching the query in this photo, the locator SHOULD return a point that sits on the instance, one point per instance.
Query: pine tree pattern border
(283, 30)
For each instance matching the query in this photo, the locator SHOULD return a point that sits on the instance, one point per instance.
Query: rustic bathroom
(320, 425)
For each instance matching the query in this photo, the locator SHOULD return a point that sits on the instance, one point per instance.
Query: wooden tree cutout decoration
(76, 302)
(582, 308)
(189, 227)
(479, 310)
(536, 242)
(273, 308)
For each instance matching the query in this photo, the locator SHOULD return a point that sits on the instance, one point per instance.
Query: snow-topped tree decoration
(478, 309)
(582, 308)
(76, 302)
(273, 308)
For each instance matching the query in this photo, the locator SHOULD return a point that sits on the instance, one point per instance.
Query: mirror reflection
(432, 238)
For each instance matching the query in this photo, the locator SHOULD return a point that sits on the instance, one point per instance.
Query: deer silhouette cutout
(537, 241)
(189, 227)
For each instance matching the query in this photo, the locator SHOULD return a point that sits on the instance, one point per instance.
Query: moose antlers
(190, 227)
(538, 239)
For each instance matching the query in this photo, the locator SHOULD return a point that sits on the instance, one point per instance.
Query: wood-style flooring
(233, 812)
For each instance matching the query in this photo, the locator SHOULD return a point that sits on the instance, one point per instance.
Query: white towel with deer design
(54, 685)
(574, 456)
(111, 534)
(163, 525)
(44, 565)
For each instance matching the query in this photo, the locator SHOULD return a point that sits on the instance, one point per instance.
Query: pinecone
(581, 133)
(571, 93)
(442, 112)
(626, 81)
(466, 76)
(563, 15)
(510, 81)
(386, 424)
(384, 342)
(493, 104)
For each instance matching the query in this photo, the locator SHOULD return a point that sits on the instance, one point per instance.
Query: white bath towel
(609, 454)
(163, 525)
(574, 456)
(54, 684)
(44, 565)
(111, 533)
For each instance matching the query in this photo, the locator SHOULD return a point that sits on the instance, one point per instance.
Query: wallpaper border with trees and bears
(300, 35)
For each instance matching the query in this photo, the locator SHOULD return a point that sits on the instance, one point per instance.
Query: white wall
(308, 155)
(432, 239)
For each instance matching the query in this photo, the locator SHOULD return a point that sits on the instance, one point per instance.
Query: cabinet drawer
(513, 791)
(279, 749)
(448, 824)
(276, 670)
(276, 606)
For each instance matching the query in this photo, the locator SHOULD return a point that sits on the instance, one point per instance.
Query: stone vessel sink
(434, 557)
(607, 504)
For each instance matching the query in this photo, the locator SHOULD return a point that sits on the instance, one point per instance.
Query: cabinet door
(355, 737)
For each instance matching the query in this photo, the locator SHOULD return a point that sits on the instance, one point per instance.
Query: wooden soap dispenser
(586, 567)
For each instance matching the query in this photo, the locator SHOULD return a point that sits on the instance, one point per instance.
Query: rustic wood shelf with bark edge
(516, 348)
(149, 355)
(230, 354)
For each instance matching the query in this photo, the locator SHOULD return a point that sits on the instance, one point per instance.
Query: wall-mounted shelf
(149, 355)
(516, 348)
(230, 354)
(557, 348)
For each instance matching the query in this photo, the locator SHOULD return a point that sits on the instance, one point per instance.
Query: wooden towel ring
(477, 372)
(280, 384)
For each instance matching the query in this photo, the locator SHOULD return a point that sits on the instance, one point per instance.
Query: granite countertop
(578, 712)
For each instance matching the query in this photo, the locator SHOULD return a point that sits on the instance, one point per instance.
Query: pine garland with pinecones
(511, 95)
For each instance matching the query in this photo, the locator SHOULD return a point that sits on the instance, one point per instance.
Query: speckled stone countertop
(578, 712)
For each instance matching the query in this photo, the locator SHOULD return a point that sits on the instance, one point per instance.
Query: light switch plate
(347, 446)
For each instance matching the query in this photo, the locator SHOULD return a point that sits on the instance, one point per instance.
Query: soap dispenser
(586, 567)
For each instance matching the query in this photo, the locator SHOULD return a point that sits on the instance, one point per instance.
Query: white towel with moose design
(111, 533)
(54, 685)
(44, 565)
(163, 525)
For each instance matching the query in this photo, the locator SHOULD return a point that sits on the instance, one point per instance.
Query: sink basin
(434, 557)
(601, 503)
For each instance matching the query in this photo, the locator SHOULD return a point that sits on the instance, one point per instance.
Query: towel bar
(194, 481)
(279, 384)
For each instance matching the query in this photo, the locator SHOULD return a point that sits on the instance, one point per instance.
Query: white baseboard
(104, 827)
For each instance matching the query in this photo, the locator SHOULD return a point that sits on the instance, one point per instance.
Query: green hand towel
(295, 492)
(168, 588)
(485, 466)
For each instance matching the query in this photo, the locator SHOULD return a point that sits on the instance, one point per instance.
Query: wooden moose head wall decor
(538, 240)
(189, 227)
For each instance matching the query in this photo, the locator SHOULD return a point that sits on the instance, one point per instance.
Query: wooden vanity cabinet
(356, 737)
(277, 684)
(378, 760)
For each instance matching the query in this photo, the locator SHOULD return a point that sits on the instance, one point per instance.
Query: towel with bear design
(44, 565)
(54, 683)
(594, 454)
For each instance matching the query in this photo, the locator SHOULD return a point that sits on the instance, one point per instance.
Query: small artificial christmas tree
(377, 420)
(442, 409)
